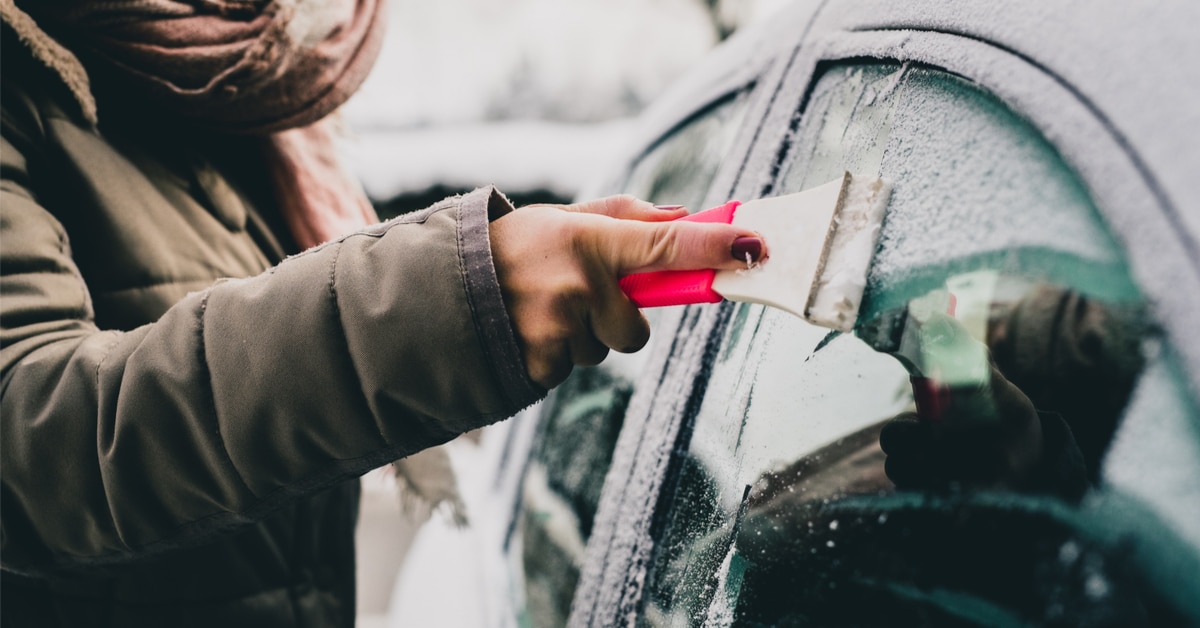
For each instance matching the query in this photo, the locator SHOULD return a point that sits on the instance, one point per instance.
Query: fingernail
(746, 248)
(668, 208)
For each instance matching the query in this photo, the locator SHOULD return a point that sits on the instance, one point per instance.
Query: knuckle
(573, 292)
(663, 243)
(621, 200)
(542, 338)
(623, 205)
(549, 368)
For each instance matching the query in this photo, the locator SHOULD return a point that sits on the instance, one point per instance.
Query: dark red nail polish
(746, 247)
(668, 208)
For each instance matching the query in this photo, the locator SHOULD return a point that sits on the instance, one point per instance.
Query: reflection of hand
(558, 268)
(1076, 355)
(1002, 449)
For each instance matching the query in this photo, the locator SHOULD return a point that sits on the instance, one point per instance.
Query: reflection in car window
(581, 419)
(941, 465)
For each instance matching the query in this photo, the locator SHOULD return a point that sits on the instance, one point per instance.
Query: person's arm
(259, 391)
(245, 395)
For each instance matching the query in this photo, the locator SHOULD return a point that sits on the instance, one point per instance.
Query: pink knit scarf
(274, 68)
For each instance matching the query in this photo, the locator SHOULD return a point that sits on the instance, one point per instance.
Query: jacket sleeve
(254, 392)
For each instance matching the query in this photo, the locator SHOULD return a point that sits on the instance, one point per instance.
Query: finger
(904, 433)
(973, 462)
(909, 472)
(909, 444)
(548, 363)
(627, 207)
(633, 247)
(1011, 402)
(618, 323)
(586, 350)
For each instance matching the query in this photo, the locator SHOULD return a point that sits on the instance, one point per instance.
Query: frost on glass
(1155, 454)
(561, 489)
(582, 418)
(943, 463)
(679, 169)
(962, 164)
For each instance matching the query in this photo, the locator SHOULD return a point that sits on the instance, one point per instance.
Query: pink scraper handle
(679, 287)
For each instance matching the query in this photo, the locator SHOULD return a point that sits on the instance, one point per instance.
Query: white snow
(1086, 73)
(741, 13)
(515, 155)
(997, 186)
(1155, 453)
(459, 61)
(839, 290)
(720, 609)
(526, 94)
(458, 576)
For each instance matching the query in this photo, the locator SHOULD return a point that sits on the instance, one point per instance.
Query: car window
(1001, 350)
(679, 169)
(582, 418)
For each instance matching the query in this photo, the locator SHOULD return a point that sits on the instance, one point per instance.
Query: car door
(1047, 475)
(691, 150)
(579, 423)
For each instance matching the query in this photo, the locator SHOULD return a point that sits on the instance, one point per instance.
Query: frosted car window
(679, 169)
(582, 418)
(963, 165)
(1001, 340)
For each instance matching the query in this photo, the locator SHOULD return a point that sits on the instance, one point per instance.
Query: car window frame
(1130, 201)
(1089, 145)
(746, 84)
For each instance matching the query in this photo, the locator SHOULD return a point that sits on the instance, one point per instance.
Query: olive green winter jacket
(184, 408)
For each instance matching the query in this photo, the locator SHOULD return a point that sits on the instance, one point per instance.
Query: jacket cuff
(476, 210)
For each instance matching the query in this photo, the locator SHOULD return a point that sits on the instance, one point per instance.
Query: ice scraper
(819, 242)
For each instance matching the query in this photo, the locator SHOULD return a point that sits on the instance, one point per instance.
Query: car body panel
(1083, 117)
(1072, 93)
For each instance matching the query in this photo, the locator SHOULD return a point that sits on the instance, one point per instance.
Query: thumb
(633, 246)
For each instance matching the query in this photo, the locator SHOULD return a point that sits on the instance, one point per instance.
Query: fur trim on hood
(53, 55)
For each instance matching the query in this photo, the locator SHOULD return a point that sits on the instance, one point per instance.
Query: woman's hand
(558, 268)
(990, 438)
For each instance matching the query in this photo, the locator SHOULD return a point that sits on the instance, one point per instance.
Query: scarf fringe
(426, 483)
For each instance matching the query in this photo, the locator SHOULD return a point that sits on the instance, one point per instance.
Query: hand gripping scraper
(820, 243)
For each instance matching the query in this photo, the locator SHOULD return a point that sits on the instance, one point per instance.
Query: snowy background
(535, 96)
(532, 95)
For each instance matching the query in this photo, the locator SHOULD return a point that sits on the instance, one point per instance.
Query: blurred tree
(729, 15)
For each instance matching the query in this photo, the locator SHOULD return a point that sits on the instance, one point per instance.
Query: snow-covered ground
(466, 61)
(516, 155)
